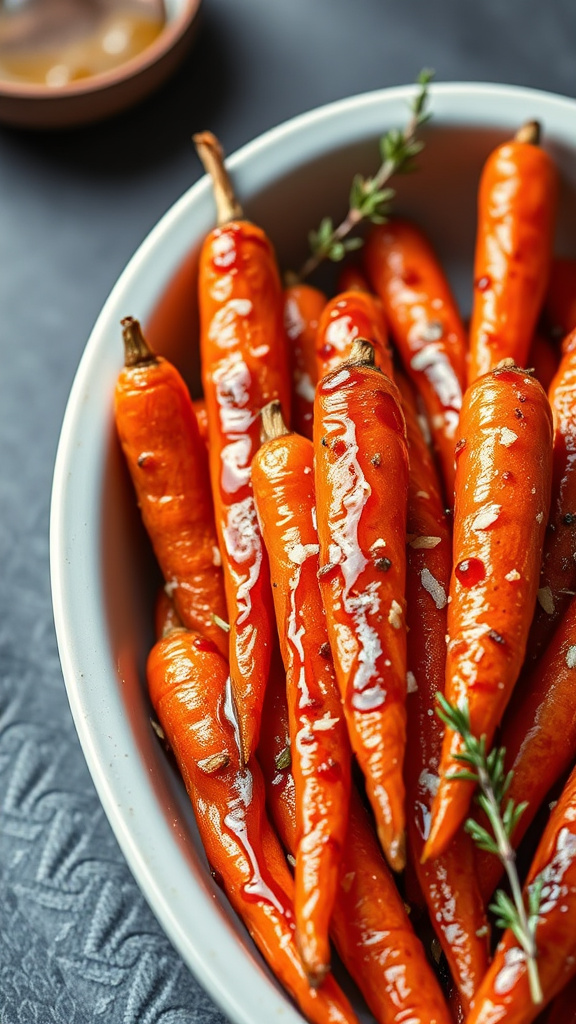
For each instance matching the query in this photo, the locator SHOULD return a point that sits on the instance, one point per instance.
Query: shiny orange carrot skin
(538, 734)
(449, 883)
(515, 227)
(187, 679)
(283, 481)
(303, 306)
(360, 449)
(503, 485)
(426, 327)
(505, 994)
(558, 576)
(370, 927)
(244, 366)
(346, 317)
(167, 462)
(560, 301)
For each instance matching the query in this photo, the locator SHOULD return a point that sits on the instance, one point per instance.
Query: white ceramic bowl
(103, 576)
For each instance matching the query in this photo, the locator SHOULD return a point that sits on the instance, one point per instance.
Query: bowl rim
(169, 36)
(220, 963)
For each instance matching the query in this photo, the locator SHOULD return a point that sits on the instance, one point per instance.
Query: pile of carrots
(372, 505)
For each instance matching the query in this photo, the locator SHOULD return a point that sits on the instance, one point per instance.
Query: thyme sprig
(370, 198)
(487, 771)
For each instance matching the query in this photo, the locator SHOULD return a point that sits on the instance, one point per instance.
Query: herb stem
(368, 197)
(487, 770)
(351, 220)
(525, 933)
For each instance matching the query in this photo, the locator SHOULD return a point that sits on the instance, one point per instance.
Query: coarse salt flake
(411, 684)
(571, 656)
(512, 575)
(507, 436)
(546, 600)
(486, 517)
(434, 588)
(425, 542)
(395, 615)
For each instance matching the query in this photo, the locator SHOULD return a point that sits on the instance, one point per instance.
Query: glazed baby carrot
(346, 317)
(539, 735)
(303, 305)
(244, 366)
(370, 927)
(449, 883)
(283, 481)
(560, 301)
(187, 680)
(515, 228)
(361, 471)
(505, 993)
(426, 327)
(503, 480)
(167, 462)
(558, 576)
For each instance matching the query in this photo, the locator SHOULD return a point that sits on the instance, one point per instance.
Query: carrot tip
(317, 975)
(394, 849)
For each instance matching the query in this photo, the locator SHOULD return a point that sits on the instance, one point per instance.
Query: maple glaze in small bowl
(98, 96)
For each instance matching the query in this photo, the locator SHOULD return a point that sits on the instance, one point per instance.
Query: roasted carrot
(426, 326)
(560, 301)
(558, 576)
(449, 883)
(302, 308)
(514, 235)
(187, 679)
(283, 481)
(346, 317)
(361, 471)
(167, 462)
(244, 366)
(503, 482)
(538, 734)
(505, 992)
(370, 927)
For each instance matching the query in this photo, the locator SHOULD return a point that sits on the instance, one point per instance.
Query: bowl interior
(104, 577)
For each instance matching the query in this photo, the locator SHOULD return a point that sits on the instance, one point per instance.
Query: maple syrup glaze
(94, 42)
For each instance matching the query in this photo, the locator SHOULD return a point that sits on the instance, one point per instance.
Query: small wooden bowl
(99, 96)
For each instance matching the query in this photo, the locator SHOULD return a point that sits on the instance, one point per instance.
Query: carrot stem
(529, 132)
(212, 156)
(362, 353)
(136, 348)
(273, 424)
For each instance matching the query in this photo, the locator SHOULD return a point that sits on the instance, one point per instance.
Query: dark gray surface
(77, 941)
